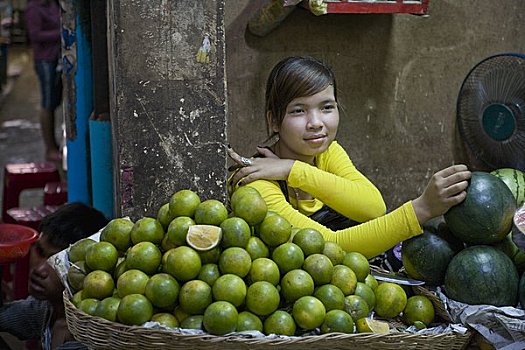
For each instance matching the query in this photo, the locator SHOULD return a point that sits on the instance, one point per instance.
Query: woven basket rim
(91, 330)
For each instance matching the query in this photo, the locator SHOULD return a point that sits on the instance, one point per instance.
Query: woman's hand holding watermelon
(445, 189)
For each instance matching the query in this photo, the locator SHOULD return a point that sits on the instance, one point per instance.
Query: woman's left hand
(268, 166)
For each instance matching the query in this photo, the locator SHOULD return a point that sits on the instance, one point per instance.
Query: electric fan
(491, 111)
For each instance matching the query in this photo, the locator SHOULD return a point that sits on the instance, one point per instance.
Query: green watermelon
(426, 257)
(482, 275)
(485, 216)
(515, 181)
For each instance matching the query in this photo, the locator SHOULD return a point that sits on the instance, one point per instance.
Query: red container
(15, 241)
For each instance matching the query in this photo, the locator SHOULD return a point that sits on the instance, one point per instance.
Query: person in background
(6, 21)
(44, 28)
(306, 176)
(42, 315)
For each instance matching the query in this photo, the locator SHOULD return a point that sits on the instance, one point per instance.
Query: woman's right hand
(445, 189)
(269, 167)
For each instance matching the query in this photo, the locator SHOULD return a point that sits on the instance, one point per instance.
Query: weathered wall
(398, 79)
(167, 103)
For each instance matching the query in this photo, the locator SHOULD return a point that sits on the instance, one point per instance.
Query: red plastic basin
(15, 241)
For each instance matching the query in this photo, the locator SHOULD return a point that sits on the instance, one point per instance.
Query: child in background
(42, 315)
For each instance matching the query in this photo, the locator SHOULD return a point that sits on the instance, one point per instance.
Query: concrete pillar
(167, 101)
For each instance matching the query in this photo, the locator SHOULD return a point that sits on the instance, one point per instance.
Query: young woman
(305, 172)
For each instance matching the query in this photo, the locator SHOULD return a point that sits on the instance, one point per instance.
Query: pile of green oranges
(199, 265)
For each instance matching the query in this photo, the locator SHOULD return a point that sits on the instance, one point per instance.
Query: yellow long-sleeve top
(336, 182)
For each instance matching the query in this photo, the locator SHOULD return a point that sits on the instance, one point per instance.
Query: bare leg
(47, 124)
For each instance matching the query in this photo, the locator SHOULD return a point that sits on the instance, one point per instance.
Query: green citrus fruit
(192, 322)
(203, 237)
(288, 256)
(344, 278)
(371, 282)
(77, 298)
(230, 288)
(209, 273)
(391, 300)
(89, 305)
(98, 284)
(77, 251)
(308, 312)
(419, 308)
(210, 212)
(184, 203)
(180, 314)
(368, 325)
(248, 321)
(358, 263)
(102, 256)
(165, 319)
(235, 260)
(162, 290)
(331, 296)
(320, 267)
(235, 232)
(220, 318)
(183, 263)
(275, 230)
(134, 309)
(107, 308)
(164, 215)
(367, 293)
(195, 296)
(262, 298)
(280, 322)
(310, 240)
(147, 229)
(144, 256)
(211, 256)
(295, 284)
(118, 233)
(249, 206)
(334, 251)
(132, 282)
(76, 274)
(177, 230)
(264, 269)
(356, 306)
(256, 248)
(337, 321)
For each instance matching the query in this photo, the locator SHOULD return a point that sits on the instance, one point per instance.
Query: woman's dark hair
(291, 78)
(70, 223)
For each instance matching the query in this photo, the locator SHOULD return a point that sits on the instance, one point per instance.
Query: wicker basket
(98, 333)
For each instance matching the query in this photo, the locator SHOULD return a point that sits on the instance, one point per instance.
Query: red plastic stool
(18, 177)
(18, 272)
(55, 193)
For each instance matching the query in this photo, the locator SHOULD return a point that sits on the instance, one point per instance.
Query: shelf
(376, 6)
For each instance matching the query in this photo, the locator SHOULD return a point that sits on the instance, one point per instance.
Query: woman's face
(308, 127)
(44, 283)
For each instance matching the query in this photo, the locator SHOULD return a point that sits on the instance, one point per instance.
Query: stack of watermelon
(471, 252)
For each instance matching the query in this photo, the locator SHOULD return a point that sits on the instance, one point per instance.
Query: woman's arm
(370, 238)
(337, 183)
(445, 189)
